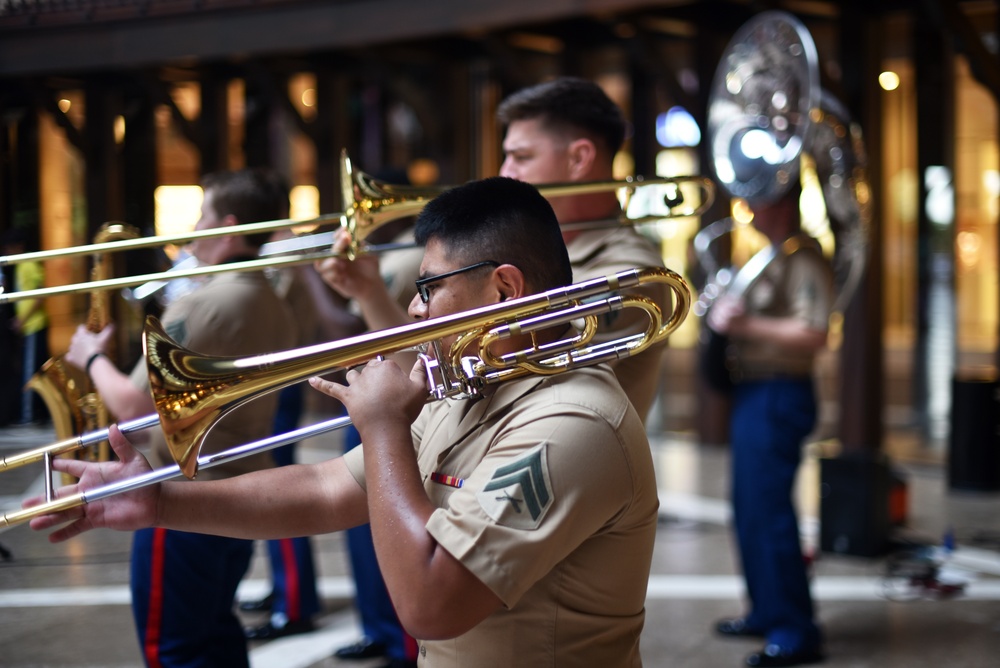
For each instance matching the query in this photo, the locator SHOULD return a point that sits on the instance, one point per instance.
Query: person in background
(183, 584)
(516, 528)
(568, 130)
(31, 323)
(775, 330)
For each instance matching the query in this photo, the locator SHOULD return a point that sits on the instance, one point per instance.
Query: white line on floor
(690, 587)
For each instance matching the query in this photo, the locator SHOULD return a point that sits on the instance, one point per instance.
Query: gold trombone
(373, 203)
(192, 392)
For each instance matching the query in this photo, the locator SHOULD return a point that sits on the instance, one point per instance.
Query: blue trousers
(770, 421)
(183, 588)
(293, 570)
(379, 621)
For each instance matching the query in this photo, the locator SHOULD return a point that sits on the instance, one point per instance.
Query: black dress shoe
(737, 627)
(260, 605)
(366, 648)
(773, 656)
(269, 631)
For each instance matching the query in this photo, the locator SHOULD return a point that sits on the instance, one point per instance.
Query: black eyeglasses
(423, 283)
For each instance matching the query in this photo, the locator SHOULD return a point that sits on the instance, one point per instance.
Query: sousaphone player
(772, 319)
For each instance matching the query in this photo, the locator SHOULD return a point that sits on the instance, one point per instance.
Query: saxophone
(72, 401)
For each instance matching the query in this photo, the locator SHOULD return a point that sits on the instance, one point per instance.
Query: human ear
(581, 153)
(509, 282)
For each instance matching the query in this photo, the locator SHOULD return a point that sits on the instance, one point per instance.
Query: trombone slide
(165, 473)
(75, 443)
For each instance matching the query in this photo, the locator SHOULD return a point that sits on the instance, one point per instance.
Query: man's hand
(86, 343)
(725, 315)
(353, 279)
(127, 511)
(381, 397)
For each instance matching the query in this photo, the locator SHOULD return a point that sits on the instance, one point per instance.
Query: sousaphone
(766, 109)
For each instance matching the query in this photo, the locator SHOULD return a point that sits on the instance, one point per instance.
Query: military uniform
(797, 284)
(773, 410)
(545, 491)
(596, 253)
(183, 584)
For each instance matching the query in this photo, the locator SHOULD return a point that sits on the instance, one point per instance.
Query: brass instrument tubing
(272, 248)
(129, 281)
(169, 472)
(163, 240)
(172, 274)
(77, 442)
(48, 476)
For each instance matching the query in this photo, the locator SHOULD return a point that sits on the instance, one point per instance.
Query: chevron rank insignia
(519, 494)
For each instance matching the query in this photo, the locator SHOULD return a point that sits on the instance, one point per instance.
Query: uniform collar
(499, 397)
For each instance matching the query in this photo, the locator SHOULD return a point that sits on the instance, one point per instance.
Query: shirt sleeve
(355, 458)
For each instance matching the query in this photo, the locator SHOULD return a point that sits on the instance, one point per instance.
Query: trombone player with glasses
(183, 584)
(513, 529)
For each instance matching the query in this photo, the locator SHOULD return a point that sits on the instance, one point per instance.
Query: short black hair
(503, 220)
(251, 195)
(568, 104)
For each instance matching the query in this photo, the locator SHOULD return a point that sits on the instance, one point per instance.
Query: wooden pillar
(935, 82)
(643, 104)
(257, 123)
(861, 354)
(332, 134)
(7, 125)
(103, 171)
(213, 122)
(139, 158)
(474, 96)
(22, 174)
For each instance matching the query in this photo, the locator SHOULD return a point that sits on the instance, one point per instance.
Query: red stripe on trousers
(154, 616)
(410, 647)
(293, 594)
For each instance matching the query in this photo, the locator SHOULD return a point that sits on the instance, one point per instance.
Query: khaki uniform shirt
(291, 287)
(233, 314)
(596, 253)
(797, 284)
(546, 492)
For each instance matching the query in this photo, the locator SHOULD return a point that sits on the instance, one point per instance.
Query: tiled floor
(67, 605)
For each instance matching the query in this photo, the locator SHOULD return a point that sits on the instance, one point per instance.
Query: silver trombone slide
(169, 472)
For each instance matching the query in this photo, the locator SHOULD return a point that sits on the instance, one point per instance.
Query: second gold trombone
(372, 204)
